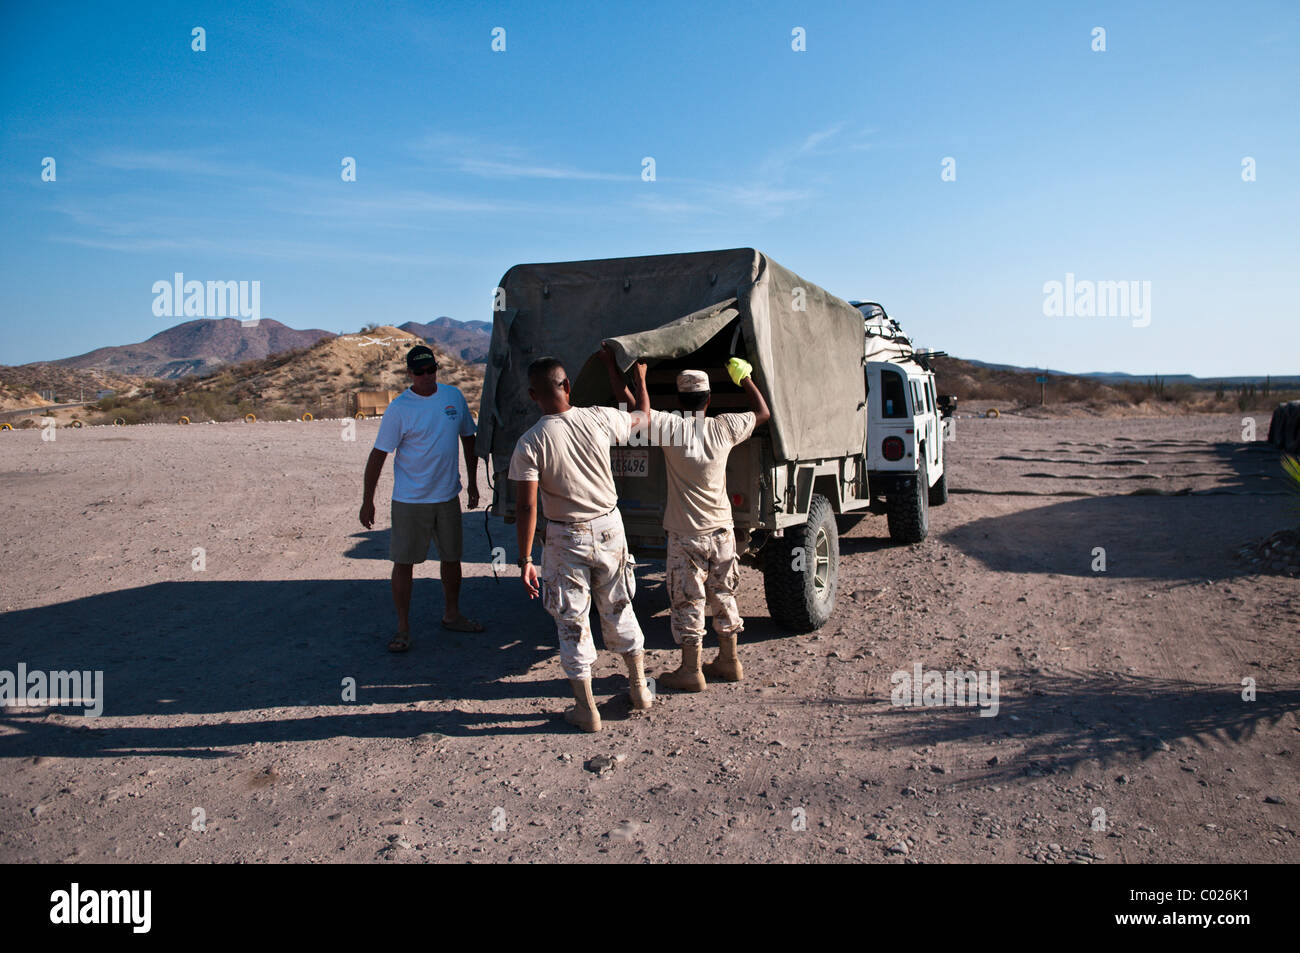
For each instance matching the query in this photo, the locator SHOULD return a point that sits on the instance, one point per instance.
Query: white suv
(905, 427)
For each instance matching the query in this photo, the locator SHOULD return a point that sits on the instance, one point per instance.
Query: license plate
(630, 463)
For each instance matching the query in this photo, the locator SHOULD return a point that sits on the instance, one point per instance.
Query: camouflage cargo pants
(703, 569)
(582, 561)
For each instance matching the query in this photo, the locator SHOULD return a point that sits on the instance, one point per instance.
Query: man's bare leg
(402, 576)
(450, 573)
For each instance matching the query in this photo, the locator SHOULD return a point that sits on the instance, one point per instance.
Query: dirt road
(1121, 733)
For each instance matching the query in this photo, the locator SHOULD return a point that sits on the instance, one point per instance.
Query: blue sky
(1123, 165)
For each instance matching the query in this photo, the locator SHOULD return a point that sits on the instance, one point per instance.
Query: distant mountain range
(195, 347)
(467, 340)
(203, 345)
(1119, 377)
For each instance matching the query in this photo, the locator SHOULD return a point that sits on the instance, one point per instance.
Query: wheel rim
(821, 563)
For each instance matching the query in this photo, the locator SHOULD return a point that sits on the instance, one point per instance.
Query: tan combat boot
(638, 690)
(726, 667)
(584, 713)
(687, 677)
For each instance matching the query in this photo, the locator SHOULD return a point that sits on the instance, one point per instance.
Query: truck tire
(909, 509)
(1277, 426)
(801, 570)
(1292, 436)
(939, 492)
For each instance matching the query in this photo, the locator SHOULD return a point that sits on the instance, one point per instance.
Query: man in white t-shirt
(564, 460)
(423, 426)
(703, 567)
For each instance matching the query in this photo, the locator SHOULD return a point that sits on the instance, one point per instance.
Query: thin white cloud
(171, 162)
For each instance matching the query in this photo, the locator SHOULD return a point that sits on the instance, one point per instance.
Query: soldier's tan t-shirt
(697, 468)
(568, 455)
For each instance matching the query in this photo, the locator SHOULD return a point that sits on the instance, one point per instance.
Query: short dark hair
(540, 370)
(693, 400)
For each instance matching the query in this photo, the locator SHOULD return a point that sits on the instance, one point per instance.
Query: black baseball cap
(421, 358)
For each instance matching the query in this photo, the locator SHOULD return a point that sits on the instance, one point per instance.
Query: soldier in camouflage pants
(703, 568)
(582, 561)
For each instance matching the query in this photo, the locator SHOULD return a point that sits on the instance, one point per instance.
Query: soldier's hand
(738, 369)
(367, 515)
(472, 493)
(530, 580)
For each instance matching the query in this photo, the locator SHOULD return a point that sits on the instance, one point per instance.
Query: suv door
(923, 419)
(938, 427)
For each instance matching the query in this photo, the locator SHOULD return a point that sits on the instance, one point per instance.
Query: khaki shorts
(416, 525)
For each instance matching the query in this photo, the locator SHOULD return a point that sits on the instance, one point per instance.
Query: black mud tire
(939, 492)
(909, 509)
(803, 600)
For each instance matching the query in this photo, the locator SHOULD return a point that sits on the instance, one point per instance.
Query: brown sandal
(400, 642)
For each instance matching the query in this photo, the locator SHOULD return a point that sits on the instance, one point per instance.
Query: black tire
(909, 509)
(1277, 426)
(802, 599)
(1291, 439)
(939, 492)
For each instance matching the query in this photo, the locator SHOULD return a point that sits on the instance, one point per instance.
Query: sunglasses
(420, 372)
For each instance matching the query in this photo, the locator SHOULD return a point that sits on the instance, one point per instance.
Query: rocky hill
(21, 386)
(319, 380)
(196, 347)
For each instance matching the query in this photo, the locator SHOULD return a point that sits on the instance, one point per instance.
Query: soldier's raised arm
(741, 373)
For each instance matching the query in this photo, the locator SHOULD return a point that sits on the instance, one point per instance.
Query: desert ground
(1122, 735)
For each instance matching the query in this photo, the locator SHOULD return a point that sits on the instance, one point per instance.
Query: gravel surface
(1121, 732)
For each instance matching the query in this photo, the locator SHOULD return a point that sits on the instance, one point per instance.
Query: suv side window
(893, 398)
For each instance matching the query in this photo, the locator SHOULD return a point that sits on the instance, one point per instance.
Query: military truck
(809, 349)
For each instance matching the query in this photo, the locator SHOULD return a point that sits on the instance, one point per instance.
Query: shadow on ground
(1061, 721)
(1146, 537)
(206, 648)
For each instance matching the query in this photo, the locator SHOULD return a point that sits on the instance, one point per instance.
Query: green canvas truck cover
(805, 344)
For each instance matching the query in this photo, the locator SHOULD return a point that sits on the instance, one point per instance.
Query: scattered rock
(600, 765)
(624, 830)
